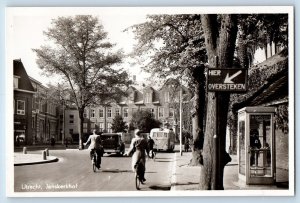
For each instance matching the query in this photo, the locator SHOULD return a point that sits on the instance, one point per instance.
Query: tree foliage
(78, 51)
(174, 43)
(259, 30)
(118, 124)
(144, 121)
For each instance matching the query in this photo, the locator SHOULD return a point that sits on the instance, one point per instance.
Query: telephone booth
(256, 145)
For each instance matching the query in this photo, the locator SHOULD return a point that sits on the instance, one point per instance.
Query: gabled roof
(24, 81)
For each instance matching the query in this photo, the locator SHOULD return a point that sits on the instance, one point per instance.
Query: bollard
(44, 155)
(47, 151)
(24, 150)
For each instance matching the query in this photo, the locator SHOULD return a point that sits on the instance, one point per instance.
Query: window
(152, 112)
(85, 125)
(117, 111)
(16, 82)
(125, 112)
(71, 118)
(160, 112)
(92, 113)
(109, 113)
(85, 113)
(167, 97)
(101, 127)
(101, 113)
(171, 112)
(148, 98)
(20, 107)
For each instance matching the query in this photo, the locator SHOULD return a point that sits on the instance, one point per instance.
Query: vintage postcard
(150, 101)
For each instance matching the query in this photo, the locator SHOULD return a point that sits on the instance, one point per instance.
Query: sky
(27, 33)
(26, 27)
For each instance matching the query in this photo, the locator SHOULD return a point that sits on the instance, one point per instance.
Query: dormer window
(16, 82)
(148, 97)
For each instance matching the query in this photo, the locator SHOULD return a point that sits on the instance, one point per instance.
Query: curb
(52, 159)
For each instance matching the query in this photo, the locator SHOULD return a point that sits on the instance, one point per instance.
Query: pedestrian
(52, 140)
(186, 144)
(138, 149)
(95, 146)
(18, 140)
(150, 146)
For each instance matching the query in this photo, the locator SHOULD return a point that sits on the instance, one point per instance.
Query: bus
(164, 139)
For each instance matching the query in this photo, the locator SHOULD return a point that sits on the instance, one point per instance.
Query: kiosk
(256, 145)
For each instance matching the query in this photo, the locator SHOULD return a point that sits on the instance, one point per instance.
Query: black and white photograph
(150, 101)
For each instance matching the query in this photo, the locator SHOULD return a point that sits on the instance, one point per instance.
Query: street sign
(227, 79)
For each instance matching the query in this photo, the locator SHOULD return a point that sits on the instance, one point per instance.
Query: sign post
(227, 79)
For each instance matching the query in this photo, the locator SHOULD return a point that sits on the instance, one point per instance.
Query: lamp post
(180, 119)
(63, 122)
(36, 122)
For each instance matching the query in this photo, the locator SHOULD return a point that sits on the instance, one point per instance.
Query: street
(73, 172)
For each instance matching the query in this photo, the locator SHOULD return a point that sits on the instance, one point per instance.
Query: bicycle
(94, 160)
(139, 174)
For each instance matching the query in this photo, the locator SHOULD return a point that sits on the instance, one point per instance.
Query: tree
(144, 121)
(175, 87)
(118, 125)
(255, 31)
(220, 33)
(80, 54)
(175, 46)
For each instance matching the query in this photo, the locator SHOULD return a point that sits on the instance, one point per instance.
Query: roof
(20, 71)
(268, 83)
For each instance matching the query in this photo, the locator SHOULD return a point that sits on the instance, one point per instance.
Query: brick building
(23, 94)
(162, 103)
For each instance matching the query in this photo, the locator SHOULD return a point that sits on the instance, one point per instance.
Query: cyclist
(150, 145)
(138, 149)
(95, 146)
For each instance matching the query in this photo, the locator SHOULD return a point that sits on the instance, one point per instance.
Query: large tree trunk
(198, 116)
(220, 50)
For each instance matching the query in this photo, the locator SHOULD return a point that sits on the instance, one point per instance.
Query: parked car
(112, 143)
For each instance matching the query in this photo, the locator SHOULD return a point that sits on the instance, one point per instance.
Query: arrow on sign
(229, 79)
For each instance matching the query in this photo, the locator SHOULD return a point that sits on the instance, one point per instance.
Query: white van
(164, 139)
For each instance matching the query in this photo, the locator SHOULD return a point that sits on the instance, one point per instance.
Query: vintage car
(112, 143)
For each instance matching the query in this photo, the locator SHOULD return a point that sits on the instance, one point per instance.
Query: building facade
(162, 103)
(22, 107)
(45, 114)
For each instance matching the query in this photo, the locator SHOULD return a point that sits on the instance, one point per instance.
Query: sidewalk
(29, 159)
(185, 177)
